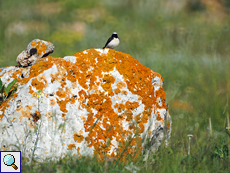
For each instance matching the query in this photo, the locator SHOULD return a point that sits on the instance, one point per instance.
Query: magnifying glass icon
(9, 160)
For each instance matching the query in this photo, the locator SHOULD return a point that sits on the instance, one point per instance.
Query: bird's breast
(114, 43)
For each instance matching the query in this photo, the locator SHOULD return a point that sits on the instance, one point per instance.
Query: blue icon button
(9, 160)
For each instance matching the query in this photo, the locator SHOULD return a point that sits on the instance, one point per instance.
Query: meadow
(188, 44)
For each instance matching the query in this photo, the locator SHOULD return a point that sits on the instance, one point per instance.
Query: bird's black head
(115, 35)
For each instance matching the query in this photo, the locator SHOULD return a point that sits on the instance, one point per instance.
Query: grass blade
(11, 84)
(0, 84)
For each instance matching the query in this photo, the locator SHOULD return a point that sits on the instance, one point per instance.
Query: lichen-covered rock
(35, 50)
(101, 102)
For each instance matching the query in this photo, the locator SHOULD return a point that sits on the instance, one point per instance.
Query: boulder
(35, 50)
(96, 102)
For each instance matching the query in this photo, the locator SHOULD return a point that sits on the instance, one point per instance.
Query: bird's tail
(103, 47)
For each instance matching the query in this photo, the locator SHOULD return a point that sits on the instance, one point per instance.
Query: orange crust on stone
(106, 125)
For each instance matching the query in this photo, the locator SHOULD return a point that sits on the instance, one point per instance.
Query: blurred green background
(186, 41)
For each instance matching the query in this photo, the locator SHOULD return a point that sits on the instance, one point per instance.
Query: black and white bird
(112, 42)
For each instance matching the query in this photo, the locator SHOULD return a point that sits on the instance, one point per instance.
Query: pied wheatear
(112, 42)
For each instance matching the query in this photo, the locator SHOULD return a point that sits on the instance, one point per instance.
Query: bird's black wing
(108, 42)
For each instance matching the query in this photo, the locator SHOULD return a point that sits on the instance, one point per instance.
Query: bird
(113, 41)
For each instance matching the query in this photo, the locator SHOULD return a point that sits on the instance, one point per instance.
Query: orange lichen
(25, 113)
(140, 98)
(78, 151)
(61, 93)
(42, 79)
(40, 46)
(145, 117)
(71, 147)
(32, 125)
(4, 148)
(83, 118)
(52, 102)
(62, 104)
(158, 118)
(74, 85)
(121, 84)
(37, 84)
(31, 91)
(4, 105)
(78, 136)
(138, 118)
(63, 116)
(49, 115)
(120, 107)
(168, 125)
(95, 88)
(124, 92)
(53, 76)
(131, 106)
(118, 98)
(117, 90)
(161, 94)
(72, 100)
(141, 127)
(129, 115)
(82, 95)
(36, 116)
(107, 82)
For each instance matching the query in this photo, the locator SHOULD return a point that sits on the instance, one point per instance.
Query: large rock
(101, 102)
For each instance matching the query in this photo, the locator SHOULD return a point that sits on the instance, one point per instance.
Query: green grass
(189, 48)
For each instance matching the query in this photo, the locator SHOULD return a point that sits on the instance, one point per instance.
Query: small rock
(35, 50)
